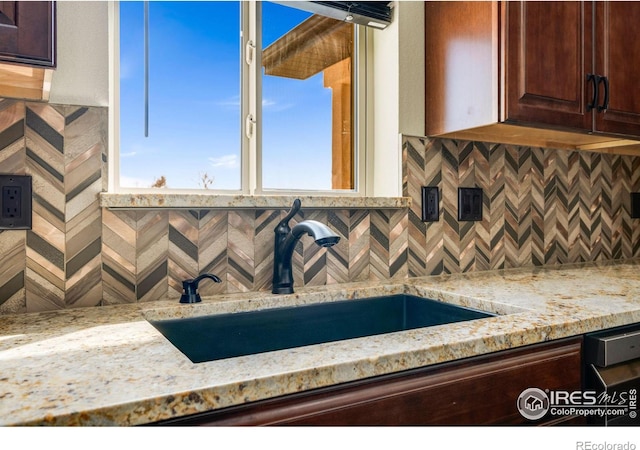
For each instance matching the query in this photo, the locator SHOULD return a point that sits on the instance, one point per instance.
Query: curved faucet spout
(285, 244)
(322, 234)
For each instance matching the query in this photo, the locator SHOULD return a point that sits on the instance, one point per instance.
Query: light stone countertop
(110, 366)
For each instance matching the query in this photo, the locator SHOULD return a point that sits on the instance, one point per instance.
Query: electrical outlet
(635, 205)
(430, 204)
(11, 202)
(469, 204)
(15, 202)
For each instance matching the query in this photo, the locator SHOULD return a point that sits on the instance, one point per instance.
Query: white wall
(82, 74)
(411, 68)
(398, 80)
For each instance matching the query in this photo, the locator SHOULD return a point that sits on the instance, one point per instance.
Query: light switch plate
(469, 204)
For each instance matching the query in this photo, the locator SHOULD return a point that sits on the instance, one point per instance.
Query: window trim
(251, 165)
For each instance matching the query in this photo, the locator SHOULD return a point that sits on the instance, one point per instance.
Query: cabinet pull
(595, 79)
(605, 103)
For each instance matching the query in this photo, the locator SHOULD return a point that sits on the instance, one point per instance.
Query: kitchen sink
(220, 336)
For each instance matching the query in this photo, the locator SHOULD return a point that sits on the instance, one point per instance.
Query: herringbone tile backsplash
(57, 264)
(541, 206)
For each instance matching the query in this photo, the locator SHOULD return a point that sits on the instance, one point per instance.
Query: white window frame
(251, 97)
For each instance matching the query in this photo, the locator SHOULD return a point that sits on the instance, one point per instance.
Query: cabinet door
(547, 52)
(618, 59)
(27, 31)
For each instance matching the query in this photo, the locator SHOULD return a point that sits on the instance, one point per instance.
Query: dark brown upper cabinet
(553, 74)
(572, 64)
(27, 33)
(617, 58)
(548, 54)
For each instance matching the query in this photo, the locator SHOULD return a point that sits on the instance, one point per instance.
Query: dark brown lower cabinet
(481, 390)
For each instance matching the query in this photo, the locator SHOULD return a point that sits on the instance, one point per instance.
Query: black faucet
(190, 294)
(285, 242)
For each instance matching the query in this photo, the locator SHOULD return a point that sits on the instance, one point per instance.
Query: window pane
(194, 95)
(307, 139)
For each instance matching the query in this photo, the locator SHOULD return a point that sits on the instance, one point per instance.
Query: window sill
(211, 201)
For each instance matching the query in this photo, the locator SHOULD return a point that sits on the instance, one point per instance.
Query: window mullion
(256, 94)
(244, 98)
(113, 170)
(252, 43)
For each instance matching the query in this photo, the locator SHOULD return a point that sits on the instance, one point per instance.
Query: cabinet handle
(595, 79)
(605, 103)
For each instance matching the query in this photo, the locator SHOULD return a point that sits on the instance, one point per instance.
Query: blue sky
(194, 123)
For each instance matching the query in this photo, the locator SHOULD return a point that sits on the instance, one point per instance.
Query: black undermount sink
(220, 336)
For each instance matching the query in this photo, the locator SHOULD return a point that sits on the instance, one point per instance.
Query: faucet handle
(297, 204)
